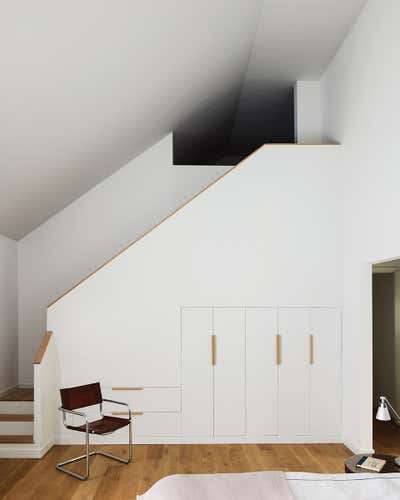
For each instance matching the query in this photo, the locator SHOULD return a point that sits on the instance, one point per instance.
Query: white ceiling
(296, 39)
(88, 85)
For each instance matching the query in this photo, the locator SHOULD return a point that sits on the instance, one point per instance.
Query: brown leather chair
(89, 395)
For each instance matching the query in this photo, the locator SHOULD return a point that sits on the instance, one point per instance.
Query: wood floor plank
(14, 477)
(33, 479)
(18, 395)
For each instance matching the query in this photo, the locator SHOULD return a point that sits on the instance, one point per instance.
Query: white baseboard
(45, 448)
(25, 386)
(10, 388)
(122, 438)
(356, 449)
(24, 450)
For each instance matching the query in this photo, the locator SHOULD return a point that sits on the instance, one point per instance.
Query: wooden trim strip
(278, 350)
(127, 388)
(178, 210)
(16, 417)
(120, 413)
(16, 439)
(155, 226)
(213, 350)
(42, 348)
(311, 349)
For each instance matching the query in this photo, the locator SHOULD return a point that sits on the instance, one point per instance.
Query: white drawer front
(156, 424)
(149, 399)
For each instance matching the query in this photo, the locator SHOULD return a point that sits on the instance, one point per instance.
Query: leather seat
(102, 426)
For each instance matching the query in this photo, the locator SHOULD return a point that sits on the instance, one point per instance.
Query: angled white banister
(46, 385)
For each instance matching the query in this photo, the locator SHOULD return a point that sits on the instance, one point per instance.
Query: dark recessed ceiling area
(231, 128)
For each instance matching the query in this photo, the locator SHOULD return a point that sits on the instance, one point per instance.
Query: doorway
(386, 351)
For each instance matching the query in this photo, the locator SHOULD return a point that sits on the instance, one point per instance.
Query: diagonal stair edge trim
(178, 209)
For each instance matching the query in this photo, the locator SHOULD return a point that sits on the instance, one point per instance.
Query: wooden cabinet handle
(214, 349)
(127, 413)
(311, 349)
(278, 350)
(127, 388)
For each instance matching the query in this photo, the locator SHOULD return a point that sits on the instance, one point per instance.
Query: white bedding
(276, 486)
(254, 485)
(305, 486)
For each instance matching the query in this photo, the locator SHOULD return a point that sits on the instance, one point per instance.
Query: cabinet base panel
(68, 440)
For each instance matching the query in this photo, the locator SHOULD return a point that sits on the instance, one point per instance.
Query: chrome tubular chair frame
(88, 453)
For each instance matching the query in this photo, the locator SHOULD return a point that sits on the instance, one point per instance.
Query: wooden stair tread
(18, 395)
(16, 439)
(16, 417)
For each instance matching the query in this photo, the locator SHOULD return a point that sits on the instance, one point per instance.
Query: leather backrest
(81, 396)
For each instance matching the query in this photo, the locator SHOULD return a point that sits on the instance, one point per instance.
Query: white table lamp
(383, 410)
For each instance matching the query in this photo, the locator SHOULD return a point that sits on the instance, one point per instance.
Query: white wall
(84, 235)
(307, 112)
(266, 234)
(8, 314)
(360, 108)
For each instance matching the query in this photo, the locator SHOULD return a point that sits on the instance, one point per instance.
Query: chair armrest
(73, 412)
(120, 403)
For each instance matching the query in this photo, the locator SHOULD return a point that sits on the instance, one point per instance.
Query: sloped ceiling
(88, 85)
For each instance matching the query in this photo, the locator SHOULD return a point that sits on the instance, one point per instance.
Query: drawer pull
(127, 413)
(127, 388)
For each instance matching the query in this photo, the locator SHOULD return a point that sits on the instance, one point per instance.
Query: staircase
(27, 416)
(16, 417)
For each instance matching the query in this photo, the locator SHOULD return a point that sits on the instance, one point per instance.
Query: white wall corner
(308, 112)
(356, 448)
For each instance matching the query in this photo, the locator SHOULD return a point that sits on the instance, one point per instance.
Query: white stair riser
(16, 407)
(16, 428)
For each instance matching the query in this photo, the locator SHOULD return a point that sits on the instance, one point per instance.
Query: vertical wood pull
(214, 349)
(311, 349)
(278, 350)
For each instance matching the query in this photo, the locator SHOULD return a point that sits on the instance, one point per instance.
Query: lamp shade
(383, 411)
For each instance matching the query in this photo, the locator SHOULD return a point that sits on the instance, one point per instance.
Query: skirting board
(10, 388)
(355, 448)
(24, 450)
(121, 438)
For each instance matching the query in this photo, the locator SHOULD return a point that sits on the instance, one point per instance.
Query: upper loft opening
(230, 128)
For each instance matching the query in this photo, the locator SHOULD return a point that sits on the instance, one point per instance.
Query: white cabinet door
(294, 372)
(197, 372)
(229, 372)
(262, 371)
(325, 372)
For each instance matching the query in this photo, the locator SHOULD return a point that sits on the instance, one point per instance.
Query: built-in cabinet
(247, 374)
(213, 372)
(261, 372)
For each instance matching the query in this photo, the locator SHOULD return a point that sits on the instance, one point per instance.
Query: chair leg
(97, 452)
(119, 459)
(86, 456)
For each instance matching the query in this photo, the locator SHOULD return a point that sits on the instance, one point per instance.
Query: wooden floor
(18, 395)
(38, 479)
